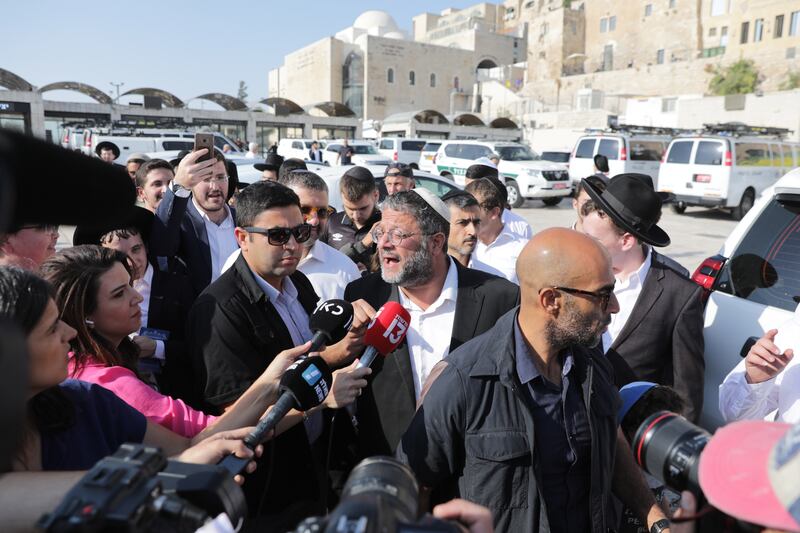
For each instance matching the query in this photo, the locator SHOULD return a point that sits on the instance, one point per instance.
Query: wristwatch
(659, 525)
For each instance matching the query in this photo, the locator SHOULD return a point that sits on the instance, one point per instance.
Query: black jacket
(662, 341)
(343, 235)
(388, 403)
(473, 435)
(234, 332)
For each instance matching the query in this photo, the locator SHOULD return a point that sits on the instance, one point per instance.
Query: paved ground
(697, 234)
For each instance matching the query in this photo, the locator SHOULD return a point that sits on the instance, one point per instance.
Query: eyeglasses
(395, 236)
(45, 228)
(221, 179)
(322, 212)
(280, 236)
(602, 296)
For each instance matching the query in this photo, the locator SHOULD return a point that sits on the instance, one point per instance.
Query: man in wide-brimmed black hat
(659, 328)
(107, 151)
(269, 168)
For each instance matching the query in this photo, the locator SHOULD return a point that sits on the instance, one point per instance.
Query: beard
(573, 328)
(416, 270)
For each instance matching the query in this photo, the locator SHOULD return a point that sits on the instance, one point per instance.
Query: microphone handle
(319, 339)
(369, 356)
(236, 465)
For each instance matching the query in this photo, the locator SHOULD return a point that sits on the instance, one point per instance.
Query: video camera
(380, 495)
(138, 489)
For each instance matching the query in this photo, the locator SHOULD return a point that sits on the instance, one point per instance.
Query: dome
(375, 19)
(395, 35)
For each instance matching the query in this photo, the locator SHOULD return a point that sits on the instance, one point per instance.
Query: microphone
(385, 333)
(303, 386)
(330, 322)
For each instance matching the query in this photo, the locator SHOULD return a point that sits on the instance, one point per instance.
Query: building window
(668, 105)
(543, 29)
(778, 26)
(660, 56)
(758, 30)
(672, 4)
(794, 23)
(433, 80)
(712, 32)
(390, 76)
(745, 31)
(530, 4)
(456, 84)
(603, 25)
(719, 7)
(412, 78)
(612, 23)
(353, 83)
(608, 57)
(790, 52)
(509, 15)
(723, 36)
(648, 10)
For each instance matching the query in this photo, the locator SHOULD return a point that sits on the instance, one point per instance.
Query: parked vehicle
(297, 148)
(628, 149)
(364, 153)
(727, 166)
(150, 142)
(556, 157)
(427, 155)
(522, 170)
(752, 284)
(401, 149)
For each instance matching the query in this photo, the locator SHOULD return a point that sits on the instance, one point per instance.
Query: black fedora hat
(140, 218)
(107, 145)
(601, 163)
(633, 205)
(272, 162)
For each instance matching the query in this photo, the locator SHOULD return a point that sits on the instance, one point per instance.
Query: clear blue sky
(188, 48)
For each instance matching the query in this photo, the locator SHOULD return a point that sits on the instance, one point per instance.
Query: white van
(525, 174)
(401, 150)
(714, 170)
(297, 148)
(627, 151)
(427, 156)
(149, 142)
(364, 153)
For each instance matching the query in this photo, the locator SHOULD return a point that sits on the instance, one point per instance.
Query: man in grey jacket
(522, 419)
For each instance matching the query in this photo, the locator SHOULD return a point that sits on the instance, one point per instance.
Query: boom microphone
(330, 322)
(303, 386)
(385, 333)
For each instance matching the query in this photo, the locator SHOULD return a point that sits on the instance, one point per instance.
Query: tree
(738, 78)
(242, 94)
(792, 81)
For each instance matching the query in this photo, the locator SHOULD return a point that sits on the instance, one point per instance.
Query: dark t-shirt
(103, 422)
(345, 153)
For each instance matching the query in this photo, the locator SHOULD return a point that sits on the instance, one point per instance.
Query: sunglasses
(280, 236)
(322, 212)
(602, 296)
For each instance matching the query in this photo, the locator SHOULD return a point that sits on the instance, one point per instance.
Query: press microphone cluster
(385, 333)
(330, 322)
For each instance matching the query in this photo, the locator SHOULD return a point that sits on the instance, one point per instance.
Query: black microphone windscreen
(309, 381)
(332, 317)
(52, 185)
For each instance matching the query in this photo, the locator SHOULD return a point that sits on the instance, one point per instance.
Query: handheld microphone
(385, 333)
(303, 386)
(330, 322)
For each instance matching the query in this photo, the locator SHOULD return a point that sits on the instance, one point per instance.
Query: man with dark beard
(538, 367)
(449, 304)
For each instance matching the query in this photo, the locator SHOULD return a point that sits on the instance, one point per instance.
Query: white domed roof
(395, 35)
(375, 19)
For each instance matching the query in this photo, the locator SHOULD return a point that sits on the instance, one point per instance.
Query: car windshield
(517, 153)
(364, 149)
(556, 157)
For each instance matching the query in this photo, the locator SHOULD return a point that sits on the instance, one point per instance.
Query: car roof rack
(738, 129)
(634, 129)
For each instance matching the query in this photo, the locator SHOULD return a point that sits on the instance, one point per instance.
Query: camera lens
(668, 447)
(388, 479)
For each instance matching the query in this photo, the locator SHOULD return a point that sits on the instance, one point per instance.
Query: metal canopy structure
(226, 101)
(283, 106)
(503, 122)
(92, 92)
(333, 109)
(467, 119)
(169, 99)
(11, 81)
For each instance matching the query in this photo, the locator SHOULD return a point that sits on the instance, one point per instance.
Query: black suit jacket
(387, 405)
(179, 230)
(233, 333)
(662, 341)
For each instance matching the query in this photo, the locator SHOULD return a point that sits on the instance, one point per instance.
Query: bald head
(560, 256)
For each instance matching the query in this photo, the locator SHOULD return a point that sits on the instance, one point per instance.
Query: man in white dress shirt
(328, 269)
(484, 168)
(497, 245)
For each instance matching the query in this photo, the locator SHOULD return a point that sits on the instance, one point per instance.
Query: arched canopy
(9, 80)
(487, 63)
(333, 109)
(92, 92)
(283, 106)
(168, 98)
(467, 119)
(423, 116)
(226, 101)
(503, 122)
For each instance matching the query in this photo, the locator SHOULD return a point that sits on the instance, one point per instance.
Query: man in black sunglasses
(28, 246)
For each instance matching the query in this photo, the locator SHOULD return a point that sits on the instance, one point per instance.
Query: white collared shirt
(430, 331)
(329, 270)
(501, 254)
(516, 224)
(221, 240)
(627, 292)
(289, 308)
(144, 286)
